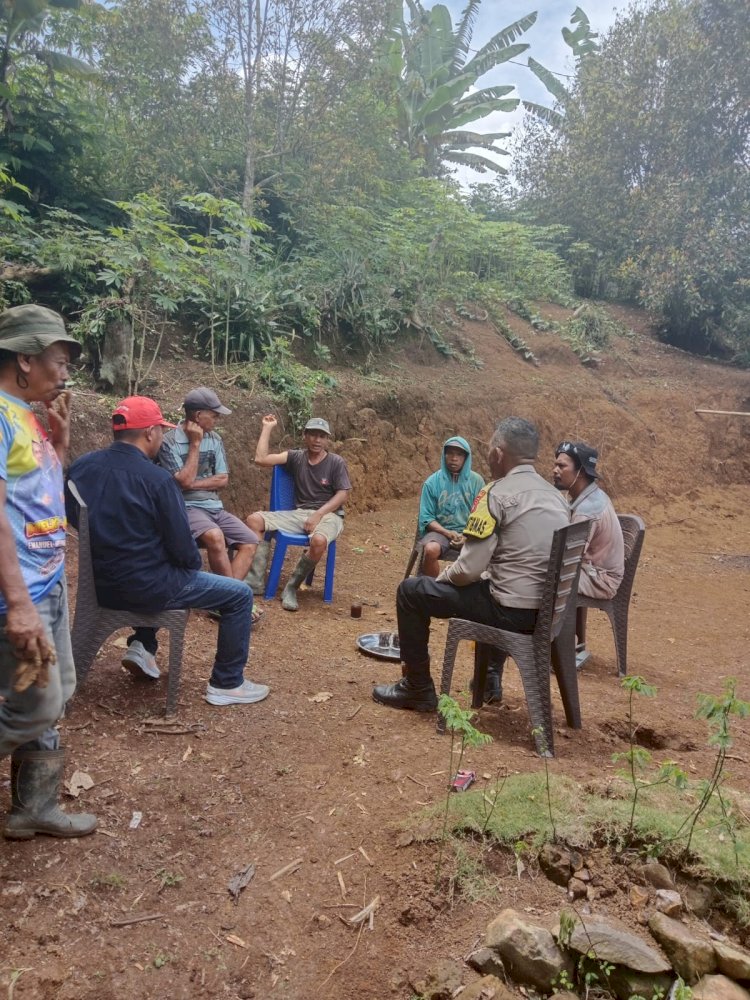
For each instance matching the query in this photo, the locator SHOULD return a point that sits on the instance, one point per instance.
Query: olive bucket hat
(31, 329)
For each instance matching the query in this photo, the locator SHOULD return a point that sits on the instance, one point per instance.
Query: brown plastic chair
(530, 652)
(93, 623)
(616, 608)
(417, 556)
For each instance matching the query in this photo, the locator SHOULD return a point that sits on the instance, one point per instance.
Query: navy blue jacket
(142, 548)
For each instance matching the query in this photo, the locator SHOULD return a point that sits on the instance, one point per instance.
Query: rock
(555, 863)
(441, 983)
(719, 988)
(731, 960)
(576, 889)
(699, 898)
(626, 983)
(528, 952)
(616, 943)
(638, 896)
(488, 988)
(656, 875)
(692, 955)
(487, 962)
(668, 901)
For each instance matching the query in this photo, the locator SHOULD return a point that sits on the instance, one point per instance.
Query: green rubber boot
(256, 578)
(35, 780)
(301, 571)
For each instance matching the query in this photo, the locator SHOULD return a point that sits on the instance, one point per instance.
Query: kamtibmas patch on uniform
(481, 523)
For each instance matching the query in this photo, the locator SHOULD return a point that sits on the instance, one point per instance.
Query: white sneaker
(246, 694)
(140, 663)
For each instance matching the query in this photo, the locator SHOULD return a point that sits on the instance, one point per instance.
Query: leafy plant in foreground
(545, 754)
(717, 711)
(638, 758)
(459, 721)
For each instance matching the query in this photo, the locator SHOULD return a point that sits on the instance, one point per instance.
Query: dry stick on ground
(286, 869)
(365, 855)
(135, 920)
(363, 915)
(343, 962)
(725, 413)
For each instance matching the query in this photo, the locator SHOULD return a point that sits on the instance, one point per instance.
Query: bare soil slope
(331, 781)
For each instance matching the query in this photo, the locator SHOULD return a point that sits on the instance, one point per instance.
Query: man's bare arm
(454, 536)
(329, 507)
(473, 561)
(23, 626)
(263, 455)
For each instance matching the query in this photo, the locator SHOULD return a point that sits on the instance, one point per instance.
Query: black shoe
(493, 688)
(405, 694)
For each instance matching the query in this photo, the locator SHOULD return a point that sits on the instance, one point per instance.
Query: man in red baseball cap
(144, 554)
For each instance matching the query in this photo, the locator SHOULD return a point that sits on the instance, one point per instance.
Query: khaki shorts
(330, 527)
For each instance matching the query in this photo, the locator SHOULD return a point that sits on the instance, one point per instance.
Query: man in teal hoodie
(447, 498)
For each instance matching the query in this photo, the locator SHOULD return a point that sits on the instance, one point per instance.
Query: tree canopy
(262, 173)
(649, 167)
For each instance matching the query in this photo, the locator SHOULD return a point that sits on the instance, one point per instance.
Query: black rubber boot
(493, 684)
(256, 578)
(414, 691)
(35, 780)
(302, 570)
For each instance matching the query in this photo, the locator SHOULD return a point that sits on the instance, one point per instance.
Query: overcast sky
(545, 45)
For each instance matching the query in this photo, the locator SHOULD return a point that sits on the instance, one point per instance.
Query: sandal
(256, 615)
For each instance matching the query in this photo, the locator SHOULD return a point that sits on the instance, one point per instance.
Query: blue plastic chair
(282, 498)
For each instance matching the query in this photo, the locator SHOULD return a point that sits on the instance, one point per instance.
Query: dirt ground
(330, 782)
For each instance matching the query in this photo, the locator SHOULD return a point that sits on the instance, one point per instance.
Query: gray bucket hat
(318, 424)
(31, 329)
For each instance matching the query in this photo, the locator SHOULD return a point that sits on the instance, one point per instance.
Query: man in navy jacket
(144, 554)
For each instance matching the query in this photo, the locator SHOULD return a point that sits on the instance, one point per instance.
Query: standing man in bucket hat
(321, 487)
(37, 674)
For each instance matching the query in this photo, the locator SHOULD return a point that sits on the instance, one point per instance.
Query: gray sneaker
(246, 694)
(140, 663)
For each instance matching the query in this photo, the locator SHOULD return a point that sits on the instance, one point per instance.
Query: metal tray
(382, 645)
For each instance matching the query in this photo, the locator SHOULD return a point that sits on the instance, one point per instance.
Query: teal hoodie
(448, 499)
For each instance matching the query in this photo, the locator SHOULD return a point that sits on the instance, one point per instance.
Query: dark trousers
(421, 598)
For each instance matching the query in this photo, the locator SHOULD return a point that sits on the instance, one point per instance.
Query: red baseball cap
(136, 413)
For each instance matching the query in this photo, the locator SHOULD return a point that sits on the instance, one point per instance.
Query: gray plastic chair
(616, 608)
(93, 624)
(531, 653)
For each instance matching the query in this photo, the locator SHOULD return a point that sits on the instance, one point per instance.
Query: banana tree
(436, 83)
(22, 24)
(583, 44)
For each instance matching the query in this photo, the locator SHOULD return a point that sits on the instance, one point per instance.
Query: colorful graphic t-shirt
(34, 498)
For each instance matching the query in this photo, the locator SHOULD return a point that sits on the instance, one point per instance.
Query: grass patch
(585, 818)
